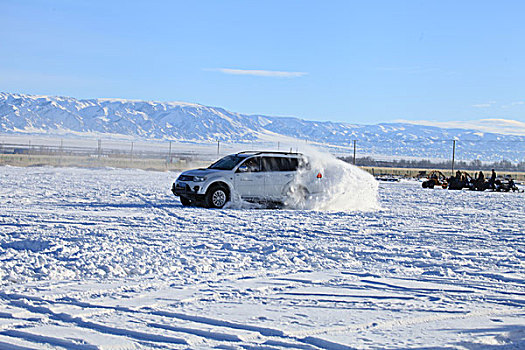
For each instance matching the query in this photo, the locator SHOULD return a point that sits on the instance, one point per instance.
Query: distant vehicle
(387, 178)
(460, 181)
(255, 176)
(506, 184)
(435, 178)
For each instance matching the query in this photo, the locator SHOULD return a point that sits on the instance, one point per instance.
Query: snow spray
(344, 187)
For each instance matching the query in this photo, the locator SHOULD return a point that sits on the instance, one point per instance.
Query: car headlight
(199, 178)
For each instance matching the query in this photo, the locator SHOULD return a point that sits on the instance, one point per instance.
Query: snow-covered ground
(109, 259)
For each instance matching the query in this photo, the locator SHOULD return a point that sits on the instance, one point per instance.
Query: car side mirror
(242, 169)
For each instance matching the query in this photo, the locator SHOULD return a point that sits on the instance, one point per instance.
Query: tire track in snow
(305, 341)
(78, 321)
(43, 339)
(401, 322)
(198, 332)
(7, 346)
(154, 206)
(18, 300)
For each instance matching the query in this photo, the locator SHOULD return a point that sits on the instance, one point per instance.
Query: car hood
(202, 172)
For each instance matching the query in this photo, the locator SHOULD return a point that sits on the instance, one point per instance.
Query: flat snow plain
(109, 259)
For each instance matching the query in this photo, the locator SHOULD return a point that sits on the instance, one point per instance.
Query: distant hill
(21, 113)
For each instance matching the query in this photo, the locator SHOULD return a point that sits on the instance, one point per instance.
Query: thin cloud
(493, 125)
(485, 105)
(260, 73)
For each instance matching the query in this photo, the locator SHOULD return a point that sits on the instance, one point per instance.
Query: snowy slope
(184, 121)
(181, 121)
(109, 259)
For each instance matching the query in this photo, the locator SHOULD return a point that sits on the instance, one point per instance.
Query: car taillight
(319, 175)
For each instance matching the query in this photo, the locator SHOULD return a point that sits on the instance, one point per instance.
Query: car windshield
(228, 162)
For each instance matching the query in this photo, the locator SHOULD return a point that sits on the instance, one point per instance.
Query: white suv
(270, 177)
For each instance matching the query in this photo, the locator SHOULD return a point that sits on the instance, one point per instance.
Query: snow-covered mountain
(21, 113)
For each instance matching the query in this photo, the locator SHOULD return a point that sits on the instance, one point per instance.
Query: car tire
(217, 196)
(185, 201)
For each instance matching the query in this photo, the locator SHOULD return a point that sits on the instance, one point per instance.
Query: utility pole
(218, 146)
(355, 141)
(99, 150)
(453, 155)
(132, 151)
(278, 145)
(169, 154)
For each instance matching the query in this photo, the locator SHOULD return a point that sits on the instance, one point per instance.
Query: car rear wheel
(296, 197)
(217, 197)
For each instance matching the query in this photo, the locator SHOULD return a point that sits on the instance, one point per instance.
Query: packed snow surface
(109, 259)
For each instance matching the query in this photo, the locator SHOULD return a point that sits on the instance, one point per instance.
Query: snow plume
(344, 187)
(341, 187)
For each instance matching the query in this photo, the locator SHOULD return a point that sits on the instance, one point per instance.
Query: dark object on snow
(506, 185)
(492, 180)
(481, 176)
(460, 181)
(479, 185)
(389, 178)
(435, 178)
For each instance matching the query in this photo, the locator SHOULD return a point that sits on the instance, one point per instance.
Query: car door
(249, 180)
(278, 172)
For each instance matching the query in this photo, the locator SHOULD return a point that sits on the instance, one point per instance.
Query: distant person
(481, 176)
(480, 181)
(512, 185)
(492, 180)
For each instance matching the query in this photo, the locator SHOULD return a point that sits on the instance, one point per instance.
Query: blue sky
(354, 61)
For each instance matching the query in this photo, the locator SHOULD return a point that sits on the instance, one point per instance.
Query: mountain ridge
(181, 121)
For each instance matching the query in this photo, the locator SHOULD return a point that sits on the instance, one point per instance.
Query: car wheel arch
(219, 183)
(215, 189)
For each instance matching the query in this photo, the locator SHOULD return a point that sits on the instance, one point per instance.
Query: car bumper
(185, 190)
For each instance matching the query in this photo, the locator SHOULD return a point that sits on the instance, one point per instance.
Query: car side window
(279, 164)
(289, 164)
(270, 164)
(251, 165)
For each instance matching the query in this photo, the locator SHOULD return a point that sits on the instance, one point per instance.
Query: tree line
(476, 164)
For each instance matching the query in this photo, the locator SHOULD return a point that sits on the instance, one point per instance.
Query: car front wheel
(217, 197)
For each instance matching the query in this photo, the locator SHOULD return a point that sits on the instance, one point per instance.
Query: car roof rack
(268, 152)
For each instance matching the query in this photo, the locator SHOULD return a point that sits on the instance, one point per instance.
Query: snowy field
(109, 259)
